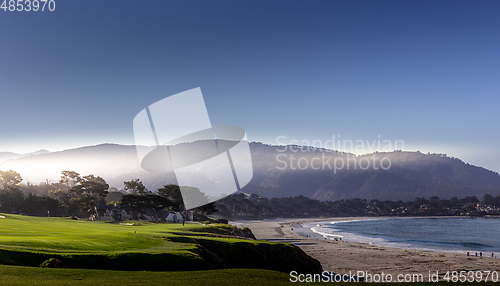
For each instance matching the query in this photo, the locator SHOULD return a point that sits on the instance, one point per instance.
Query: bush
(52, 263)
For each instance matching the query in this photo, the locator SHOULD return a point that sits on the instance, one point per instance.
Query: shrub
(52, 263)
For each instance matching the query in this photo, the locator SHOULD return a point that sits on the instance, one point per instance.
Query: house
(103, 213)
(106, 215)
(116, 213)
(175, 217)
(126, 215)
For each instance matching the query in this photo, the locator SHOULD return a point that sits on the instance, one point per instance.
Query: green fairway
(63, 235)
(85, 247)
(29, 241)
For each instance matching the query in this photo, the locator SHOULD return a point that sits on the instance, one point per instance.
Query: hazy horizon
(421, 71)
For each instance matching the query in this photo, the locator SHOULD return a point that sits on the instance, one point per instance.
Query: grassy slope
(62, 235)
(28, 241)
(24, 239)
(18, 275)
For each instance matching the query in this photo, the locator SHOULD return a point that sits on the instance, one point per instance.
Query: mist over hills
(106, 160)
(411, 174)
(4, 156)
(283, 171)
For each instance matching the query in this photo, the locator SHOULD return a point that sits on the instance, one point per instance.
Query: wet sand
(344, 257)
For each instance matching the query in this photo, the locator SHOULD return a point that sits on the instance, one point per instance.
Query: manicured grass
(63, 235)
(18, 275)
(29, 241)
(160, 247)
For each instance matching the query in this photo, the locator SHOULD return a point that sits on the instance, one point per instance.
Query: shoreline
(306, 230)
(344, 257)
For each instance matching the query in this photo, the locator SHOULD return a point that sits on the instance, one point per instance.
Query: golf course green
(97, 253)
(64, 235)
(30, 241)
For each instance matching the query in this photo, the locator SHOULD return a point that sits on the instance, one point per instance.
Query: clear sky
(426, 72)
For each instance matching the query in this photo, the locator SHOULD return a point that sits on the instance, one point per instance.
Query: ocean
(444, 234)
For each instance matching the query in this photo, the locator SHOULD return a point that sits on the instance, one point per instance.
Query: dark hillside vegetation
(243, 206)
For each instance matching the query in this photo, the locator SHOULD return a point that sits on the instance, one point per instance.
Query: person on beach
(467, 253)
(481, 254)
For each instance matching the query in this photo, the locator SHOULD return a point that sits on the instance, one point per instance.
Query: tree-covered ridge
(411, 174)
(84, 196)
(245, 206)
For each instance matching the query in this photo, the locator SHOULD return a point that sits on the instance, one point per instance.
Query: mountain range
(283, 171)
(4, 156)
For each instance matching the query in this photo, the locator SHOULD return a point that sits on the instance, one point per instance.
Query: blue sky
(425, 72)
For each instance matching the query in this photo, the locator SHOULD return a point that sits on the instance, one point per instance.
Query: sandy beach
(344, 257)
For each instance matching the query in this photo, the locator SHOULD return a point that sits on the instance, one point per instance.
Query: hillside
(4, 156)
(411, 174)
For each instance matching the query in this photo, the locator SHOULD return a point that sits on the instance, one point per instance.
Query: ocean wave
(443, 237)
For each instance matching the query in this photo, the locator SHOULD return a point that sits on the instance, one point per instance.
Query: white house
(175, 217)
(126, 215)
(106, 215)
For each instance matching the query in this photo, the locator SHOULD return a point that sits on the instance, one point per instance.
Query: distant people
(481, 254)
(476, 254)
(467, 253)
(492, 254)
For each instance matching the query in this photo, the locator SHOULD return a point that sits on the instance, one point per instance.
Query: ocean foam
(329, 230)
